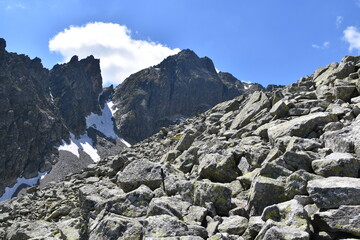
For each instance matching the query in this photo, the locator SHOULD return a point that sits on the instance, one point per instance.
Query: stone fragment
(140, 172)
(233, 225)
(216, 193)
(345, 219)
(218, 168)
(115, 227)
(279, 109)
(333, 192)
(257, 102)
(164, 226)
(301, 126)
(337, 164)
(185, 142)
(260, 191)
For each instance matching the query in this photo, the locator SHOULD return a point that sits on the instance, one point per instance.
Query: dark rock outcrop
(76, 87)
(29, 122)
(179, 87)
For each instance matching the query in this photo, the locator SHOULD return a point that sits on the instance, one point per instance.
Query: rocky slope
(177, 88)
(274, 165)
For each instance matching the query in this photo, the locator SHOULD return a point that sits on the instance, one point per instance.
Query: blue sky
(268, 42)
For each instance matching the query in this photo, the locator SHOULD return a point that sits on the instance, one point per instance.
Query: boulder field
(274, 165)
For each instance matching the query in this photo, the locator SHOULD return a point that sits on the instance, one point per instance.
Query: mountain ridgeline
(60, 120)
(177, 88)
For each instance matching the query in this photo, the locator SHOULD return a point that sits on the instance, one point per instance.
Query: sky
(261, 41)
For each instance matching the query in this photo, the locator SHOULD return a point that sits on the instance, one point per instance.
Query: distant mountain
(177, 88)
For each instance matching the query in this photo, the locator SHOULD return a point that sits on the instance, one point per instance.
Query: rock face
(219, 175)
(29, 122)
(178, 87)
(39, 108)
(75, 87)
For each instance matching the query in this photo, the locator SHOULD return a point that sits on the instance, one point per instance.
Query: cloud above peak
(120, 55)
(352, 37)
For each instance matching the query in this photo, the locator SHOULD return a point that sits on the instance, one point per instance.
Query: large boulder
(165, 226)
(337, 164)
(217, 167)
(233, 225)
(260, 191)
(140, 172)
(345, 219)
(257, 102)
(217, 194)
(345, 140)
(301, 126)
(287, 220)
(115, 227)
(333, 192)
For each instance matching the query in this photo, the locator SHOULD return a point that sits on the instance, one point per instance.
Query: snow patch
(104, 122)
(83, 143)
(9, 191)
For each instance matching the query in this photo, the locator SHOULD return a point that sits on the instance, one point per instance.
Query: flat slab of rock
(345, 219)
(333, 192)
(301, 126)
(140, 172)
(337, 164)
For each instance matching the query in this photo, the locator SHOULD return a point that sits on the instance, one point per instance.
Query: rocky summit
(272, 165)
(178, 88)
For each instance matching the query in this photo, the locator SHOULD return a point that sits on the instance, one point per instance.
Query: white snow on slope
(83, 143)
(104, 123)
(9, 191)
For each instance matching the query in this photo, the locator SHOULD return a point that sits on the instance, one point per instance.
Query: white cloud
(13, 6)
(119, 54)
(352, 36)
(325, 45)
(339, 20)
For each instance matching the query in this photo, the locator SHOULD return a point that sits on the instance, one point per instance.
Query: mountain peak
(2, 44)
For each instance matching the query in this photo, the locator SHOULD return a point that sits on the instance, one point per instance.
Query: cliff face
(39, 110)
(75, 87)
(271, 165)
(29, 122)
(178, 87)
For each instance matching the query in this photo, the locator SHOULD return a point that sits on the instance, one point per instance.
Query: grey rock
(333, 192)
(279, 109)
(337, 164)
(260, 191)
(287, 220)
(346, 140)
(257, 102)
(173, 206)
(33, 230)
(164, 226)
(132, 204)
(115, 227)
(215, 193)
(185, 142)
(140, 172)
(217, 167)
(301, 126)
(345, 219)
(233, 225)
(196, 215)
